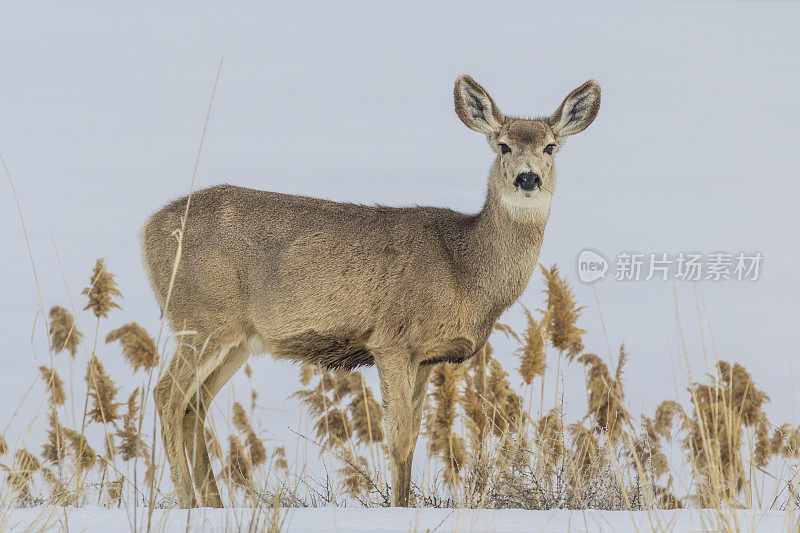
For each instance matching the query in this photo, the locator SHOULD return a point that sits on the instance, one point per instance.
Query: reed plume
(508, 330)
(239, 468)
(103, 391)
(352, 471)
(212, 444)
(324, 402)
(111, 448)
(83, 454)
(532, 352)
(786, 441)
(762, 449)
(606, 394)
(279, 458)
(54, 384)
(307, 373)
(19, 478)
(474, 392)
(256, 452)
(131, 442)
(588, 458)
(151, 471)
(114, 491)
(64, 334)
(240, 420)
(138, 347)
(253, 399)
(366, 414)
(550, 438)
(665, 416)
(562, 315)
(335, 426)
(55, 449)
(59, 495)
(647, 450)
(722, 409)
(102, 291)
(441, 418)
(255, 449)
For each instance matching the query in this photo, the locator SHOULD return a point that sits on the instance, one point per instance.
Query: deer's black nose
(528, 181)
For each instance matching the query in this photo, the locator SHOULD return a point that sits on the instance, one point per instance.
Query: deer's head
(524, 178)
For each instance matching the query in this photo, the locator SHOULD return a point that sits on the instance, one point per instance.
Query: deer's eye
(504, 148)
(549, 149)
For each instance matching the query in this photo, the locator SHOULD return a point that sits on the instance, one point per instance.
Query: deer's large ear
(577, 111)
(475, 107)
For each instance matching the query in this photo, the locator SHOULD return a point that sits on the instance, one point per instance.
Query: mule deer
(342, 285)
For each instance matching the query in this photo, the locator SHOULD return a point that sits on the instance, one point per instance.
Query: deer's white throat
(528, 204)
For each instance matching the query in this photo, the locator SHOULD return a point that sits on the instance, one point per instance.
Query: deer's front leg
(418, 401)
(398, 378)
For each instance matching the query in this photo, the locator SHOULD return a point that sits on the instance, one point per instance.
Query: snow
(403, 520)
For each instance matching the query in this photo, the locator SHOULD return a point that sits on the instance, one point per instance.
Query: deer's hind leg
(187, 370)
(194, 424)
(172, 394)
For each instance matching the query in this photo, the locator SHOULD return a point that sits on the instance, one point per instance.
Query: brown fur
(344, 285)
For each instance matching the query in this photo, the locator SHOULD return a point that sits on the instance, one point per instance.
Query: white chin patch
(526, 204)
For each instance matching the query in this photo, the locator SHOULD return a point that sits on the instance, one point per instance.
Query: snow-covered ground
(403, 520)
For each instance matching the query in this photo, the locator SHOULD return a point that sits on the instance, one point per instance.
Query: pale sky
(694, 150)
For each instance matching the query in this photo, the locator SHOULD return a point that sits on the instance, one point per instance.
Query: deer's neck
(501, 252)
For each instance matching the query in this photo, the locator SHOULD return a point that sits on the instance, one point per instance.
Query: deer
(342, 286)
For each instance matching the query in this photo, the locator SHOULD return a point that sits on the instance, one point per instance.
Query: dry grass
(487, 446)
